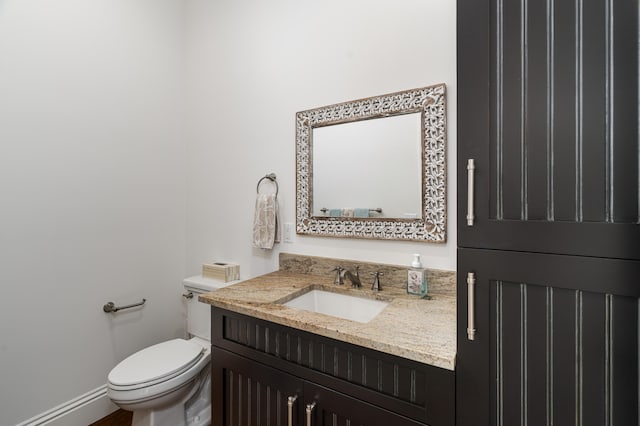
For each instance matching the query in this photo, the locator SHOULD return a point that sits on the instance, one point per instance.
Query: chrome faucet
(338, 279)
(354, 278)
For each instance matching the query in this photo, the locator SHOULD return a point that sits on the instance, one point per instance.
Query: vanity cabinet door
(548, 109)
(246, 393)
(556, 340)
(335, 409)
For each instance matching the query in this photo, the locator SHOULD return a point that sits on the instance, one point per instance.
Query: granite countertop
(422, 330)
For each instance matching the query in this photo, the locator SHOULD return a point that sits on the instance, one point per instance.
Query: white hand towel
(265, 222)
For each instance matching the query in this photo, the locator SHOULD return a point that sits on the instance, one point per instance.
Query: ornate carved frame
(430, 102)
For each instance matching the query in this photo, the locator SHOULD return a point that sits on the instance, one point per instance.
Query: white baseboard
(80, 411)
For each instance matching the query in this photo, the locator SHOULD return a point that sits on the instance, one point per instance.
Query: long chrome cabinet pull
(471, 324)
(471, 167)
(290, 402)
(310, 408)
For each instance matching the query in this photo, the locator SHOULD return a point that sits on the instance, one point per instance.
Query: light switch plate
(289, 233)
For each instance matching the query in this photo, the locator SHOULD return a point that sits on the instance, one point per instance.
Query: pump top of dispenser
(416, 261)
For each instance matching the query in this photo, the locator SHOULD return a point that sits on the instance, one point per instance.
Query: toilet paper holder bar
(111, 307)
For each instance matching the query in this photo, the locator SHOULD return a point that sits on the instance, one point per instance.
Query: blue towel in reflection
(361, 212)
(335, 212)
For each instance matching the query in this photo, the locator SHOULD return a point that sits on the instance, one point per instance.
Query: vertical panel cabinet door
(247, 393)
(555, 341)
(325, 407)
(548, 111)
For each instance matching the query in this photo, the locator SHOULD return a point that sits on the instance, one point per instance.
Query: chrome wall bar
(111, 307)
(376, 210)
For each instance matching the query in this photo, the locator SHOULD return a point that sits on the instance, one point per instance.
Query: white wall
(253, 64)
(92, 191)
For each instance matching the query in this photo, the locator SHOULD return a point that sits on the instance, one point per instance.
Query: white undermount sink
(338, 305)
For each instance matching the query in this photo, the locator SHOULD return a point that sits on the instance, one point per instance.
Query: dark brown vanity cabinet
(548, 212)
(258, 365)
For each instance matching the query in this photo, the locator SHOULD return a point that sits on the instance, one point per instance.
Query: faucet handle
(376, 281)
(338, 279)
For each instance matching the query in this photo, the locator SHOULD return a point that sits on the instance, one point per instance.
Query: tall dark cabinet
(548, 212)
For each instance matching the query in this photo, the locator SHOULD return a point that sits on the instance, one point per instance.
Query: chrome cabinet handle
(310, 408)
(471, 325)
(290, 402)
(471, 166)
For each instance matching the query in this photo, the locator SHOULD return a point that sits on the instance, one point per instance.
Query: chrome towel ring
(272, 178)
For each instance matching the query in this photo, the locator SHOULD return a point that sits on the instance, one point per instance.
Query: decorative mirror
(374, 167)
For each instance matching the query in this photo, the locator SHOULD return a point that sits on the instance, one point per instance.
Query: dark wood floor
(117, 418)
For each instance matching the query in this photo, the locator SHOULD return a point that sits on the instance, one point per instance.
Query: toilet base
(171, 416)
(198, 408)
(193, 409)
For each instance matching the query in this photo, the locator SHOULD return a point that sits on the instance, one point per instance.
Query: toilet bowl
(168, 384)
(159, 380)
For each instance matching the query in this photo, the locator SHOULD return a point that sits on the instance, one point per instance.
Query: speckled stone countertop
(422, 330)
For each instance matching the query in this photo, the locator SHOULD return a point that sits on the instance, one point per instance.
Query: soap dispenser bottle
(416, 278)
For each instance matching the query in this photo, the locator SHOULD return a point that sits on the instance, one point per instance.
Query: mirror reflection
(355, 174)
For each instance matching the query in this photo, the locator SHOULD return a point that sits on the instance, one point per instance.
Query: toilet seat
(189, 360)
(155, 364)
(149, 396)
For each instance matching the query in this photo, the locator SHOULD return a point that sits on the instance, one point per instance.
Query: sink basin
(338, 305)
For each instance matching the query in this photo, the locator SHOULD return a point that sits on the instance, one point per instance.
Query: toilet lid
(156, 362)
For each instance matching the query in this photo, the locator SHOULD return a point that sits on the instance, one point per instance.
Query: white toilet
(168, 384)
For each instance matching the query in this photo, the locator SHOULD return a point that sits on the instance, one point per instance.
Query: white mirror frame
(431, 227)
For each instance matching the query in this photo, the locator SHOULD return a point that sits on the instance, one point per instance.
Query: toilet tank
(198, 313)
